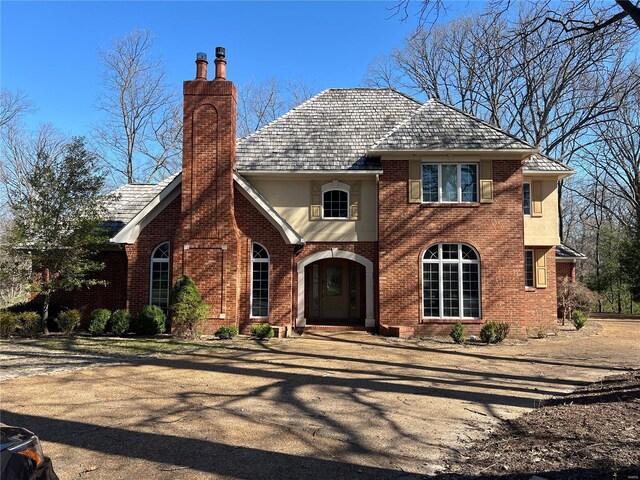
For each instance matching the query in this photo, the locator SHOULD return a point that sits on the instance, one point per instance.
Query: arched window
(335, 200)
(259, 281)
(451, 281)
(159, 285)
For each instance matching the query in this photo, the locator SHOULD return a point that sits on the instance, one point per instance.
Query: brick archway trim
(370, 320)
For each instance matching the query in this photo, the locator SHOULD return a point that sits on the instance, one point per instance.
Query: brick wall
(112, 296)
(161, 229)
(540, 310)
(495, 230)
(565, 270)
(254, 227)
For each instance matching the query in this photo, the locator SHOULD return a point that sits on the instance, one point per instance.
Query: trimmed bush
(578, 319)
(226, 332)
(29, 324)
(120, 321)
(502, 330)
(151, 321)
(8, 323)
(488, 332)
(68, 320)
(262, 330)
(457, 334)
(99, 320)
(187, 309)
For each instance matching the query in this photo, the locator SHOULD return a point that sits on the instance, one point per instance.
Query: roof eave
(560, 174)
(450, 151)
(310, 172)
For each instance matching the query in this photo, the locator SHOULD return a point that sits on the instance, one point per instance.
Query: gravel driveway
(348, 405)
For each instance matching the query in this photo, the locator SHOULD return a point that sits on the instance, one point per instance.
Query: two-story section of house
(360, 208)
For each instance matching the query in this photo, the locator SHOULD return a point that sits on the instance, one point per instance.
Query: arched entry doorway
(334, 277)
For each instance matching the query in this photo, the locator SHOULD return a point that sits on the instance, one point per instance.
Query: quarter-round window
(451, 281)
(159, 286)
(335, 200)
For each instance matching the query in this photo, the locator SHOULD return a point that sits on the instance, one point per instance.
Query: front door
(333, 289)
(334, 275)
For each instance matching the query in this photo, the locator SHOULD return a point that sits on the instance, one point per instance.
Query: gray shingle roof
(331, 131)
(564, 252)
(127, 201)
(437, 126)
(542, 163)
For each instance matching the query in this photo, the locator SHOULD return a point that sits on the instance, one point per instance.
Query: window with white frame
(529, 271)
(159, 284)
(450, 182)
(526, 198)
(451, 281)
(259, 281)
(335, 200)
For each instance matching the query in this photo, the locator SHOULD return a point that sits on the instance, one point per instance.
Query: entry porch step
(334, 328)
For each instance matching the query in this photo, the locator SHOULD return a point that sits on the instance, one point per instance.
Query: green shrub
(8, 323)
(68, 320)
(187, 309)
(488, 332)
(262, 330)
(578, 319)
(226, 332)
(151, 320)
(99, 319)
(502, 330)
(29, 324)
(120, 321)
(457, 333)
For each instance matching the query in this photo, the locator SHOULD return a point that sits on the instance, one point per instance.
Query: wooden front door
(333, 280)
(334, 290)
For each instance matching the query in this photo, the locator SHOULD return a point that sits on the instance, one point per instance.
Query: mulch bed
(592, 433)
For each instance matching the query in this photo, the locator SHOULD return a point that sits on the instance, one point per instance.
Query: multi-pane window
(159, 288)
(335, 204)
(450, 182)
(451, 281)
(526, 198)
(529, 278)
(259, 281)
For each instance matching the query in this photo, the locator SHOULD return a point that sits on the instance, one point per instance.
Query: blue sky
(49, 50)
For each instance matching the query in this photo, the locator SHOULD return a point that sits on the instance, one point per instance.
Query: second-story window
(526, 198)
(450, 182)
(335, 200)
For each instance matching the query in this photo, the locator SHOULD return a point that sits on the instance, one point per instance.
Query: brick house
(359, 208)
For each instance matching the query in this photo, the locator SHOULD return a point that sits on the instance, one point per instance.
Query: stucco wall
(544, 230)
(290, 196)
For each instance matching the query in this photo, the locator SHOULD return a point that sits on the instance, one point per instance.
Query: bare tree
(262, 102)
(141, 134)
(12, 106)
(577, 17)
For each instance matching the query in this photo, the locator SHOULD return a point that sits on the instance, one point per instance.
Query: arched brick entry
(370, 320)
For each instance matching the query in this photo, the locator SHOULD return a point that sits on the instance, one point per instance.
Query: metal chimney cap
(220, 52)
(201, 56)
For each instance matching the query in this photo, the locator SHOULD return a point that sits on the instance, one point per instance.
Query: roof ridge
(473, 117)
(281, 117)
(398, 126)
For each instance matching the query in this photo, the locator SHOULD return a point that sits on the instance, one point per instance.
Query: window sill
(530, 289)
(450, 320)
(451, 205)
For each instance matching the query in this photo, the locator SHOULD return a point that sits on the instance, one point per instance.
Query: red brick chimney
(207, 243)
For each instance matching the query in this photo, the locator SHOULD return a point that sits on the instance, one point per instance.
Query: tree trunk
(45, 315)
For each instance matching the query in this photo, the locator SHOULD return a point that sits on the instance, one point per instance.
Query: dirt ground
(344, 406)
